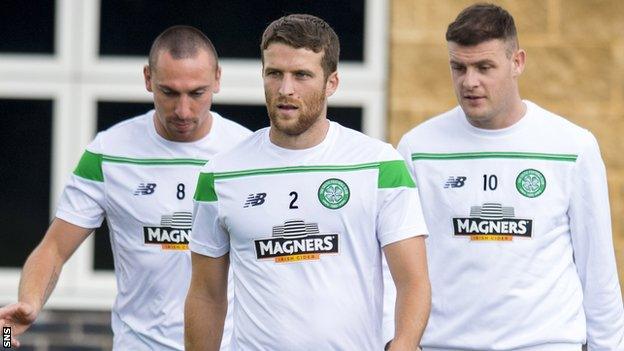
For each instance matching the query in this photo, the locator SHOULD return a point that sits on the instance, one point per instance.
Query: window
(25, 144)
(75, 67)
(34, 35)
(234, 32)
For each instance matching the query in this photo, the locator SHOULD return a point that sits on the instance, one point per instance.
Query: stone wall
(575, 68)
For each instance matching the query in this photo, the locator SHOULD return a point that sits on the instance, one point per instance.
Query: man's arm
(590, 228)
(206, 303)
(408, 265)
(40, 274)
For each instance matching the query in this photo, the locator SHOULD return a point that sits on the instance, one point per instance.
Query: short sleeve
(83, 198)
(399, 214)
(208, 237)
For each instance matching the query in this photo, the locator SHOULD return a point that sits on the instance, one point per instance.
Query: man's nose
(286, 86)
(183, 107)
(471, 79)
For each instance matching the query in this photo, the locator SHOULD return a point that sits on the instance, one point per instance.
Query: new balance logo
(145, 189)
(255, 200)
(455, 182)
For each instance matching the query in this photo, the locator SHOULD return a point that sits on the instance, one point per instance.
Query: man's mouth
(182, 125)
(473, 97)
(287, 107)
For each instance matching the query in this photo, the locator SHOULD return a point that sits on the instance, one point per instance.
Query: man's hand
(19, 316)
(40, 273)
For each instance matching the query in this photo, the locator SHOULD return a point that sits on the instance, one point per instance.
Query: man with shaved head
(140, 175)
(181, 42)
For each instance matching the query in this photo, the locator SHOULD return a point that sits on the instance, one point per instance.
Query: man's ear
(217, 85)
(147, 75)
(519, 61)
(331, 84)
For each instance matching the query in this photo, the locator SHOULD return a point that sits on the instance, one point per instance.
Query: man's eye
(302, 75)
(197, 93)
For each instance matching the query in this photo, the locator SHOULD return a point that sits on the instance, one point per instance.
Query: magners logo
(296, 241)
(173, 233)
(493, 222)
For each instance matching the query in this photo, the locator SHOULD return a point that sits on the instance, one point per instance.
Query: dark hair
(181, 42)
(482, 22)
(305, 31)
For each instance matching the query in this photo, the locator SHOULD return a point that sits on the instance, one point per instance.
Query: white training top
(143, 184)
(304, 230)
(520, 249)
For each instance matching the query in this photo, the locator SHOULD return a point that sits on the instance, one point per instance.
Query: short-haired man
(515, 198)
(302, 210)
(140, 174)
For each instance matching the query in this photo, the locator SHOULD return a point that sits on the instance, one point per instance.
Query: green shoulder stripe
(494, 154)
(205, 188)
(90, 167)
(295, 169)
(154, 161)
(394, 174)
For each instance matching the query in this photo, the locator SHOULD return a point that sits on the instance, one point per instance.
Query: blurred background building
(69, 68)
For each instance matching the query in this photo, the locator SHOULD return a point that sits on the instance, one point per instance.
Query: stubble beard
(309, 113)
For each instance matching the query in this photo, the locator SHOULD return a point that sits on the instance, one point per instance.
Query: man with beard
(140, 174)
(302, 210)
(516, 201)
